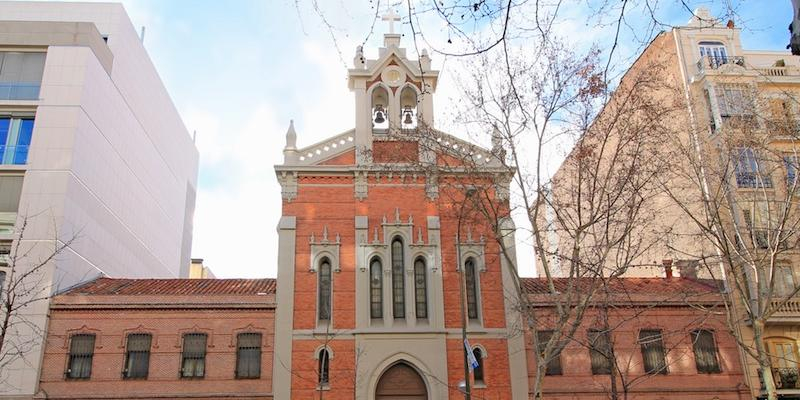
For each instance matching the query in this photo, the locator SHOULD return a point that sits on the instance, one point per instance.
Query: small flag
(473, 362)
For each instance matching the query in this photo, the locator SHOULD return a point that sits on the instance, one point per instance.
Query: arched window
(472, 289)
(478, 371)
(324, 309)
(408, 108)
(421, 288)
(380, 104)
(376, 289)
(323, 368)
(398, 285)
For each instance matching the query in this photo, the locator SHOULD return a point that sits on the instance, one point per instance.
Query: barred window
(653, 355)
(324, 290)
(600, 352)
(248, 355)
(194, 355)
(477, 373)
(421, 288)
(324, 366)
(554, 362)
(472, 289)
(81, 351)
(137, 356)
(705, 352)
(398, 283)
(376, 289)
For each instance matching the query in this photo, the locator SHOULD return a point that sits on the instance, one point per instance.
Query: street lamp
(470, 191)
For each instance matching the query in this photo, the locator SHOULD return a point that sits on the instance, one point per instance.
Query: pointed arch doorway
(401, 382)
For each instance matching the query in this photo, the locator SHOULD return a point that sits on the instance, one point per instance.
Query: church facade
(371, 279)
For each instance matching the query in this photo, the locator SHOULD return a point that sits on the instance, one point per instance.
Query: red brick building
(161, 338)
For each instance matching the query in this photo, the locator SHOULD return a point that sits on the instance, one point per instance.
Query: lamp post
(462, 289)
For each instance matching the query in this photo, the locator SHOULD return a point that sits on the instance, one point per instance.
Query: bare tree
(27, 284)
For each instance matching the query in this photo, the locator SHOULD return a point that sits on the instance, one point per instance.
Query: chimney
(730, 24)
(667, 268)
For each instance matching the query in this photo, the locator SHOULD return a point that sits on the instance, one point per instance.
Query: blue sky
(238, 71)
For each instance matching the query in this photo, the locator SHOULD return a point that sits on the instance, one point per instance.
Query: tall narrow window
(81, 351)
(653, 355)
(477, 373)
(324, 308)
(193, 364)
(421, 288)
(324, 367)
(398, 284)
(705, 352)
(137, 356)
(472, 289)
(248, 355)
(554, 362)
(15, 140)
(376, 289)
(600, 352)
(792, 163)
(784, 281)
(749, 169)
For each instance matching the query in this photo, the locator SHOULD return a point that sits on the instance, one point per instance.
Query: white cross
(391, 17)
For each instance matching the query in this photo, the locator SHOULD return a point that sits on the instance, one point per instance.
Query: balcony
(786, 378)
(788, 312)
(711, 63)
(19, 90)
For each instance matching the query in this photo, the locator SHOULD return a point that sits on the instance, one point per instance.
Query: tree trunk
(763, 361)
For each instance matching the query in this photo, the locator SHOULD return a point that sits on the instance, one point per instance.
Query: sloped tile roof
(639, 286)
(177, 287)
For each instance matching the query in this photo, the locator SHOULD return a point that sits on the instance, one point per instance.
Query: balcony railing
(709, 62)
(19, 90)
(753, 180)
(785, 378)
(791, 307)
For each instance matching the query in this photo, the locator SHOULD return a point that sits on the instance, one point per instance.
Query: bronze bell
(408, 120)
(379, 119)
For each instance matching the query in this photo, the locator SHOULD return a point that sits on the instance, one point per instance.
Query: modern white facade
(91, 147)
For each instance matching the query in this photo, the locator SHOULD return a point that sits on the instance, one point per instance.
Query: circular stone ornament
(393, 76)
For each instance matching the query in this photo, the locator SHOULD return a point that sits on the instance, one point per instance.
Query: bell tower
(392, 92)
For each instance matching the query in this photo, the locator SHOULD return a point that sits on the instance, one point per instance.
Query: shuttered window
(324, 309)
(81, 351)
(248, 355)
(194, 355)
(705, 352)
(600, 352)
(376, 289)
(653, 354)
(137, 356)
(398, 283)
(472, 289)
(554, 363)
(10, 190)
(421, 288)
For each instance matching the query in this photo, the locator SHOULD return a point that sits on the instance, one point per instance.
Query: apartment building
(729, 158)
(93, 154)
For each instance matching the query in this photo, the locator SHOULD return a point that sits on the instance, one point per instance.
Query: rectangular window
(21, 75)
(15, 140)
(758, 224)
(137, 356)
(734, 101)
(194, 355)
(600, 352)
(248, 355)
(554, 364)
(653, 355)
(783, 281)
(705, 352)
(749, 169)
(81, 351)
(10, 191)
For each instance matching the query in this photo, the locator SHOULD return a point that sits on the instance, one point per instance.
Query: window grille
(324, 290)
(705, 352)
(376, 289)
(248, 355)
(554, 363)
(137, 356)
(472, 289)
(194, 355)
(398, 283)
(421, 288)
(81, 351)
(600, 352)
(653, 354)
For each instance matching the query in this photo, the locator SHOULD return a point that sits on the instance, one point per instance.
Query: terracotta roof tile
(179, 287)
(628, 285)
